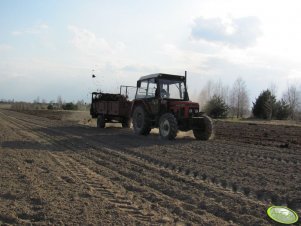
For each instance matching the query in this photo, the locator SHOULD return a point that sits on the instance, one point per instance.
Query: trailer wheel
(126, 123)
(168, 126)
(101, 123)
(205, 132)
(141, 121)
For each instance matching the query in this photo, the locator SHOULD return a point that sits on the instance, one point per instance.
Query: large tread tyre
(141, 121)
(101, 121)
(126, 123)
(205, 132)
(168, 126)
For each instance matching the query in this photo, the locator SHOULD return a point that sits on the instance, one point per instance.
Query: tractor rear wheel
(126, 123)
(101, 123)
(141, 121)
(168, 126)
(206, 129)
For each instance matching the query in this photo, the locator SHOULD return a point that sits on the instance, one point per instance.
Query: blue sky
(49, 48)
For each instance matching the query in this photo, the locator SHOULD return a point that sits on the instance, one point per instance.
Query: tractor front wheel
(205, 132)
(168, 126)
(101, 123)
(141, 121)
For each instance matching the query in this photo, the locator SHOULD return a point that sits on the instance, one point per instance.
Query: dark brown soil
(55, 172)
(283, 136)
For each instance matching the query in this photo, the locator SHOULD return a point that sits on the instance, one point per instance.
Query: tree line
(220, 101)
(216, 99)
(59, 104)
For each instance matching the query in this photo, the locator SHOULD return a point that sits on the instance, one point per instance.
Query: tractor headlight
(190, 110)
(196, 110)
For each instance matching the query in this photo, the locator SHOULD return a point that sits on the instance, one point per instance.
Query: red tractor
(162, 102)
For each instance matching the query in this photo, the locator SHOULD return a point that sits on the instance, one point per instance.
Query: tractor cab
(164, 86)
(162, 101)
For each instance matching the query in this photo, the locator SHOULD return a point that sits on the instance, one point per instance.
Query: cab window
(141, 92)
(152, 86)
(147, 89)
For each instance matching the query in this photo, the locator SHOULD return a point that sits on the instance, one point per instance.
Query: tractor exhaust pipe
(186, 96)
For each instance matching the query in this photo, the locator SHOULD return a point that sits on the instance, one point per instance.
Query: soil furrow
(151, 181)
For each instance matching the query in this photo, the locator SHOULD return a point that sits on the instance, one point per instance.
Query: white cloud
(210, 39)
(240, 32)
(139, 68)
(172, 51)
(87, 42)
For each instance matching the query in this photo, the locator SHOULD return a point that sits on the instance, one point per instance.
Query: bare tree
(239, 99)
(81, 105)
(293, 97)
(273, 88)
(213, 89)
(59, 101)
(37, 100)
(206, 93)
(221, 90)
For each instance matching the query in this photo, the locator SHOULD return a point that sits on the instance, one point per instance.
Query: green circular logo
(282, 214)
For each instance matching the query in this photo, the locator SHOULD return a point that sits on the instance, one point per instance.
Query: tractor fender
(201, 122)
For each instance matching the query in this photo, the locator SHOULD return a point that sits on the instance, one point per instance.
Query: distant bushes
(216, 107)
(50, 107)
(283, 110)
(60, 104)
(69, 106)
(266, 107)
(21, 106)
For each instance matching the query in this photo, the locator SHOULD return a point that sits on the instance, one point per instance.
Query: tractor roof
(163, 76)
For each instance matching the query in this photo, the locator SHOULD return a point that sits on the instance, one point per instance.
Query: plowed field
(56, 172)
